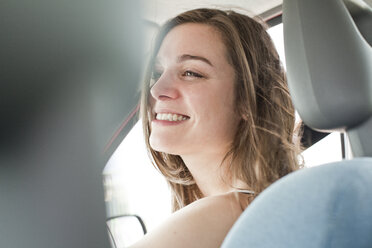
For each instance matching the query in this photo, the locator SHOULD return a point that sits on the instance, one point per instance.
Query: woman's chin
(161, 146)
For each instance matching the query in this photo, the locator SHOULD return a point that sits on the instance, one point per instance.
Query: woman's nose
(164, 88)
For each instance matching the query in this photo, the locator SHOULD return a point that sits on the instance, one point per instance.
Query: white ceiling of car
(158, 11)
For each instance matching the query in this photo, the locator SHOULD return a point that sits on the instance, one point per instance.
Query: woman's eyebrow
(185, 57)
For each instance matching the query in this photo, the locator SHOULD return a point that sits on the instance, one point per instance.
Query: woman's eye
(192, 74)
(155, 75)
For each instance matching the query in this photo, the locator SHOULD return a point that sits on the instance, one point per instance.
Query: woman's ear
(245, 117)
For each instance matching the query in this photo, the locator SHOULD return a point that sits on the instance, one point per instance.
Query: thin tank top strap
(245, 200)
(245, 191)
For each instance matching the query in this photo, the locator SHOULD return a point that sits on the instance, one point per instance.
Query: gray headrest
(329, 62)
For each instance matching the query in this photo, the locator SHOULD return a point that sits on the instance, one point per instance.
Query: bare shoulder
(203, 223)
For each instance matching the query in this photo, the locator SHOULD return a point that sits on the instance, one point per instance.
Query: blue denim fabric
(326, 206)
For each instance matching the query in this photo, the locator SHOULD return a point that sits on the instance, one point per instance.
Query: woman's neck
(210, 174)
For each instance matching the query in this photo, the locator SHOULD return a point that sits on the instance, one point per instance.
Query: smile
(170, 117)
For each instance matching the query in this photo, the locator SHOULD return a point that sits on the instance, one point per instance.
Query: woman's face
(192, 97)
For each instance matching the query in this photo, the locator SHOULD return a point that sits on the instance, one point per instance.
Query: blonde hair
(263, 149)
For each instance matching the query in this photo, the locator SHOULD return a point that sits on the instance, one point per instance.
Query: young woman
(218, 120)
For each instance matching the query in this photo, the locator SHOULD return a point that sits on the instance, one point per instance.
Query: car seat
(329, 63)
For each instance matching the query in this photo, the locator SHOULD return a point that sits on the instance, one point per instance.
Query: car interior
(329, 63)
(66, 73)
(69, 92)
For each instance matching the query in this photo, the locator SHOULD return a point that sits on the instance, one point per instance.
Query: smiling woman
(218, 122)
(196, 84)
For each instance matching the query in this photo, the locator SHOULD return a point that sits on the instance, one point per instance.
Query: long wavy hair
(265, 147)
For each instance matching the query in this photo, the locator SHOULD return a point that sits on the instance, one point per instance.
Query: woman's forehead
(194, 39)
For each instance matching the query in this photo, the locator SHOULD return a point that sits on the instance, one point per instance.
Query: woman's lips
(171, 117)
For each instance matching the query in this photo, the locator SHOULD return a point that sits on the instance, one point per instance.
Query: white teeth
(170, 117)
